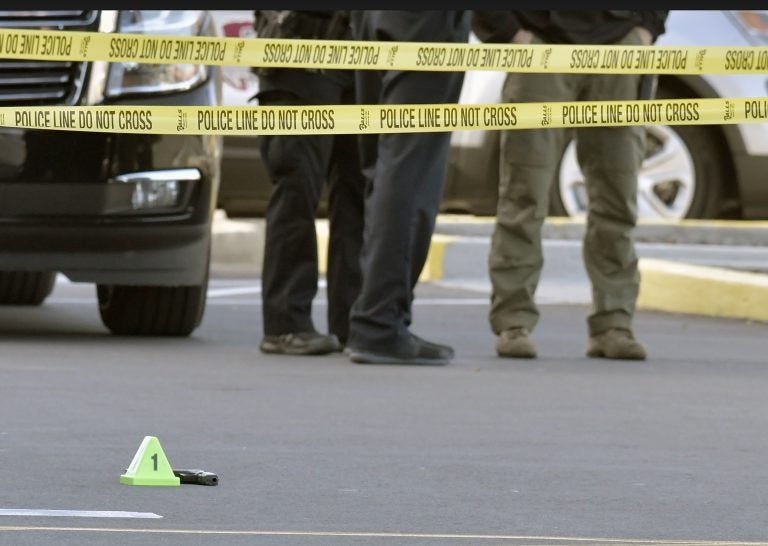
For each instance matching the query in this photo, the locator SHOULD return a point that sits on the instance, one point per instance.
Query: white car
(689, 171)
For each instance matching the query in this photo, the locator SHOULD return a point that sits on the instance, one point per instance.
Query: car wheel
(25, 287)
(151, 310)
(680, 176)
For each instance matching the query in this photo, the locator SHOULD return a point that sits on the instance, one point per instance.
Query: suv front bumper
(110, 208)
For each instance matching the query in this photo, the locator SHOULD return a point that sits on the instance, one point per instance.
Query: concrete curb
(460, 246)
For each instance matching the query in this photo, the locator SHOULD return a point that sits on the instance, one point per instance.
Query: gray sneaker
(302, 343)
(515, 343)
(616, 343)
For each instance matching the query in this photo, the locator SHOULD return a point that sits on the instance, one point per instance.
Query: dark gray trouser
(405, 175)
(609, 158)
(300, 166)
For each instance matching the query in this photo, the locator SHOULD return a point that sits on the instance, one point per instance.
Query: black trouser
(405, 175)
(299, 167)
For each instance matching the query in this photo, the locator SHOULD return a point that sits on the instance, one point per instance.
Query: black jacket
(566, 27)
(311, 84)
(311, 25)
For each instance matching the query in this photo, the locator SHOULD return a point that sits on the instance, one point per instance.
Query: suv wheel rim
(666, 183)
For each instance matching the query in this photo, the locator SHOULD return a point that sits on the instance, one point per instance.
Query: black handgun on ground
(196, 476)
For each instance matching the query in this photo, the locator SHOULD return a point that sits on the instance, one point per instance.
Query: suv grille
(30, 82)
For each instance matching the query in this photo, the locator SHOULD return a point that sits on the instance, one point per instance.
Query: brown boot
(616, 343)
(515, 343)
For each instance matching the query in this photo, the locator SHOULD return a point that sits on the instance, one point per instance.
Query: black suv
(131, 213)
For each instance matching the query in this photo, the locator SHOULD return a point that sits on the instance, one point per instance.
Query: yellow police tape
(55, 45)
(371, 119)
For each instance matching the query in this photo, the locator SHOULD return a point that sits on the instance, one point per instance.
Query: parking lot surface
(558, 450)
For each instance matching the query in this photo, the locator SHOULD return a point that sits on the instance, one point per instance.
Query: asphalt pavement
(320, 451)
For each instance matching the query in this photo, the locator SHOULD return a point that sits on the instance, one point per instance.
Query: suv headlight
(133, 78)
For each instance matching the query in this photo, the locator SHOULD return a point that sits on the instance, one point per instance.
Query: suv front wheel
(151, 310)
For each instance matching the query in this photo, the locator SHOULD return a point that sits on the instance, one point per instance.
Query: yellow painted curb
(700, 290)
(560, 221)
(685, 222)
(433, 267)
(323, 233)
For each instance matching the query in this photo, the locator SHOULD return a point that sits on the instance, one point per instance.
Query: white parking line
(76, 513)
(223, 295)
(237, 291)
(418, 302)
(541, 540)
(70, 301)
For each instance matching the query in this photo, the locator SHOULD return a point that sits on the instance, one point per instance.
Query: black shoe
(412, 351)
(303, 343)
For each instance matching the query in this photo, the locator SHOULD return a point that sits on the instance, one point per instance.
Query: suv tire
(25, 287)
(151, 310)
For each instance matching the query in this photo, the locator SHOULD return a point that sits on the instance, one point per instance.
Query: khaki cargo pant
(609, 158)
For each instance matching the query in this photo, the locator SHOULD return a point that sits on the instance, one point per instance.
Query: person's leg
(345, 216)
(527, 167)
(297, 165)
(610, 158)
(400, 216)
(403, 196)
